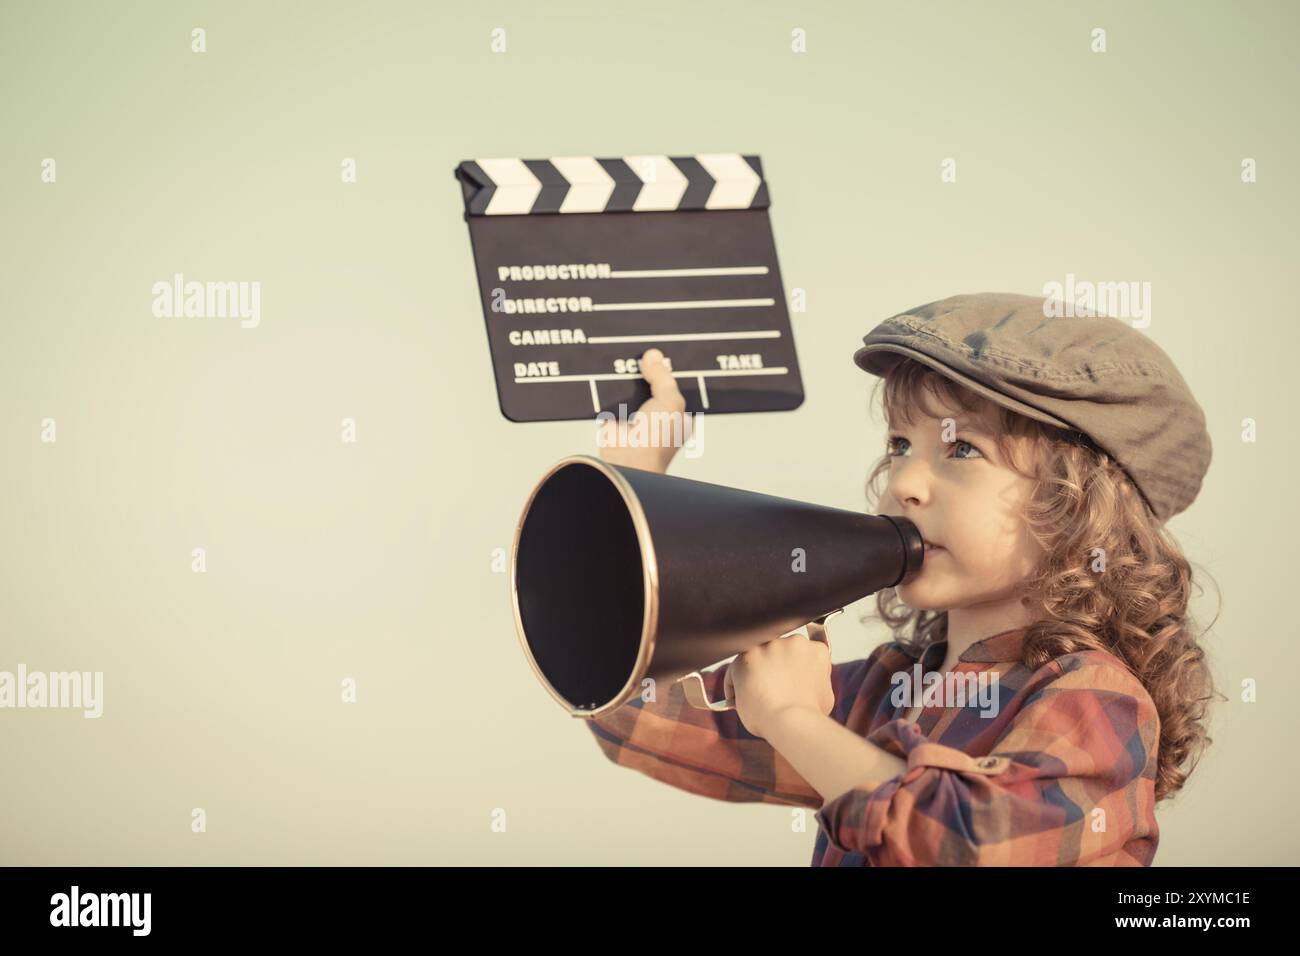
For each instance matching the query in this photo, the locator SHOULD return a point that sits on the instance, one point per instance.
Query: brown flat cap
(1090, 373)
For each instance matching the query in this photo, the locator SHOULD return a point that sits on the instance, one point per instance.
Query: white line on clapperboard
(719, 271)
(700, 375)
(682, 304)
(685, 336)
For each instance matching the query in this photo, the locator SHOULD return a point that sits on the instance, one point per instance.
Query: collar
(1002, 647)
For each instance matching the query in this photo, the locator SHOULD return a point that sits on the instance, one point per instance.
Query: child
(1040, 457)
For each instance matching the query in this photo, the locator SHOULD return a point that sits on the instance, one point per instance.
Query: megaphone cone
(620, 574)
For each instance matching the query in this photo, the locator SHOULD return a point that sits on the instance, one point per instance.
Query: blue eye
(891, 447)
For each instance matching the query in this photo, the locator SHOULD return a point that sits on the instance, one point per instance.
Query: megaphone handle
(698, 697)
(693, 683)
(817, 630)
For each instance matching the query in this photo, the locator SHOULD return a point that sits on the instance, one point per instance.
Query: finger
(663, 386)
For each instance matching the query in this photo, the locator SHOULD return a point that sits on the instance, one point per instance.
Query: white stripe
(589, 185)
(683, 337)
(614, 376)
(517, 187)
(662, 182)
(737, 183)
(595, 399)
(719, 271)
(682, 304)
(704, 392)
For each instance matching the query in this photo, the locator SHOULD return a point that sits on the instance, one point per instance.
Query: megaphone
(618, 574)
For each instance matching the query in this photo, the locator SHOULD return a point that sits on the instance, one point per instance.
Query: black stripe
(554, 186)
(475, 179)
(761, 199)
(627, 185)
(699, 184)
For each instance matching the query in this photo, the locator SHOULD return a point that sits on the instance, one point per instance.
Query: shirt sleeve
(710, 753)
(1070, 782)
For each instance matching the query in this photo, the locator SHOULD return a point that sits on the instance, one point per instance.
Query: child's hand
(787, 672)
(666, 400)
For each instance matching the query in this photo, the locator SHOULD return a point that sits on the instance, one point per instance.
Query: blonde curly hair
(1082, 507)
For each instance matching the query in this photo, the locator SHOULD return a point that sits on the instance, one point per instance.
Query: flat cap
(1089, 373)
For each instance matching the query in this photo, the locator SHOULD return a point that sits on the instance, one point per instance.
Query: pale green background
(372, 560)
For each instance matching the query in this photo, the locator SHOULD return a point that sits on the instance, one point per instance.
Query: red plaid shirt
(1062, 775)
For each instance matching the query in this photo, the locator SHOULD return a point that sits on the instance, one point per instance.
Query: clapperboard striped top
(585, 184)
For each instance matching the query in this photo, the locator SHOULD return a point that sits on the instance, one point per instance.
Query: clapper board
(583, 264)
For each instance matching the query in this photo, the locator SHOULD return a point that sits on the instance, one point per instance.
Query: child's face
(961, 494)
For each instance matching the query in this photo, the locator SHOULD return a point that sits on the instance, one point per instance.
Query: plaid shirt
(1063, 775)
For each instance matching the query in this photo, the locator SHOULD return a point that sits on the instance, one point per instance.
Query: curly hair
(1111, 578)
